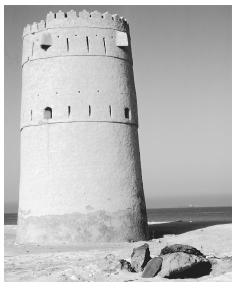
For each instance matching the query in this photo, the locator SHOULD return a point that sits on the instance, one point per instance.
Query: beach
(98, 262)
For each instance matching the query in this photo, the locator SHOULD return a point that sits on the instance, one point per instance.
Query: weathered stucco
(80, 169)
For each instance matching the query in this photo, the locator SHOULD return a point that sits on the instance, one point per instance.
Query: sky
(183, 75)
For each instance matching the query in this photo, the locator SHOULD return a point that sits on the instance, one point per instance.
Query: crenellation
(71, 15)
(34, 27)
(50, 16)
(27, 30)
(83, 19)
(84, 14)
(60, 15)
(41, 25)
(107, 16)
(96, 15)
(115, 17)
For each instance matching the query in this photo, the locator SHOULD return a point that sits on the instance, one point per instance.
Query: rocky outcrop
(184, 265)
(125, 265)
(181, 248)
(152, 268)
(175, 261)
(140, 257)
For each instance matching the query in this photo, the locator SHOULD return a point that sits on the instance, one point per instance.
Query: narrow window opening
(31, 115)
(67, 44)
(110, 110)
(89, 110)
(104, 45)
(69, 110)
(47, 113)
(127, 113)
(65, 15)
(87, 43)
(32, 48)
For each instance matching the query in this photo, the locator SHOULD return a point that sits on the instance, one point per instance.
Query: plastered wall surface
(80, 164)
(94, 175)
(79, 82)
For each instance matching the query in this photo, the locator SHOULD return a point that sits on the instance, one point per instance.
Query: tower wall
(80, 168)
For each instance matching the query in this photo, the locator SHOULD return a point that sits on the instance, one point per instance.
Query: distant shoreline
(180, 217)
(163, 208)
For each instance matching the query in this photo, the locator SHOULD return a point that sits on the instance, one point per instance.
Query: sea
(220, 215)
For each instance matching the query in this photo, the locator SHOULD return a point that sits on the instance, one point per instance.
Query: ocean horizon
(218, 215)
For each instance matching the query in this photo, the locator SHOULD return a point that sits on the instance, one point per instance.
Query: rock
(181, 248)
(140, 257)
(152, 268)
(125, 265)
(183, 265)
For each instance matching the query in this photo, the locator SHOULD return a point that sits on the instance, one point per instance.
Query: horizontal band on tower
(49, 114)
(75, 56)
(83, 121)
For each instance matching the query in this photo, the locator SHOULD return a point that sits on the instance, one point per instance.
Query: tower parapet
(66, 34)
(83, 19)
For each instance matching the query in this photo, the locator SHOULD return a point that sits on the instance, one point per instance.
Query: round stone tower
(80, 164)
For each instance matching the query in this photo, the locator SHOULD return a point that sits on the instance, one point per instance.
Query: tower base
(98, 226)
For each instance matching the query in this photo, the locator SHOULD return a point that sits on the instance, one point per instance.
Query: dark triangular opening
(45, 46)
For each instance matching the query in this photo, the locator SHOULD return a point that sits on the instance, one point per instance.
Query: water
(191, 214)
(196, 214)
(10, 219)
(182, 220)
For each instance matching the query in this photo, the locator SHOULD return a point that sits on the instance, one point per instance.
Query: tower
(80, 177)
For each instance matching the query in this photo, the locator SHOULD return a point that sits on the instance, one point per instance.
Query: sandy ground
(98, 262)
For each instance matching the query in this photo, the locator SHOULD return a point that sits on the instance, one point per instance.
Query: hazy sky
(182, 67)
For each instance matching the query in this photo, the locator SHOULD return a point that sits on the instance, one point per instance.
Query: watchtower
(80, 175)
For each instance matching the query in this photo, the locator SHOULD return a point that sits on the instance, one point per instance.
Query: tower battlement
(66, 34)
(82, 19)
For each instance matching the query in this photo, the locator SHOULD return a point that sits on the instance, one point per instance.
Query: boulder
(152, 268)
(125, 265)
(140, 257)
(183, 265)
(181, 248)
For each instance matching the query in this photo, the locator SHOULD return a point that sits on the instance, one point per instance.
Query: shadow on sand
(179, 227)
